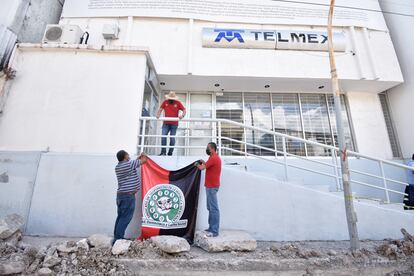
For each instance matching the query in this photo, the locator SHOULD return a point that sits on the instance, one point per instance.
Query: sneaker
(170, 154)
(162, 154)
(211, 235)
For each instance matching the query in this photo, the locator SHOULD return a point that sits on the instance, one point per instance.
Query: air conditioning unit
(66, 34)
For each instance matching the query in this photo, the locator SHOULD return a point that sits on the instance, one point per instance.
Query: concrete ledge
(228, 240)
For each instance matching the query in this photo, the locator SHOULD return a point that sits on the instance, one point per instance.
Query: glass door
(201, 106)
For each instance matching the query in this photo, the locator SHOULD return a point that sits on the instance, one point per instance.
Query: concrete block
(171, 244)
(100, 241)
(121, 247)
(228, 240)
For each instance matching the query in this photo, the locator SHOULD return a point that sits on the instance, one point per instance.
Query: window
(287, 120)
(149, 108)
(308, 116)
(332, 117)
(396, 151)
(258, 113)
(316, 122)
(230, 106)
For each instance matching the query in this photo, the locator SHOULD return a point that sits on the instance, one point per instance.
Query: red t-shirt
(171, 110)
(213, 171)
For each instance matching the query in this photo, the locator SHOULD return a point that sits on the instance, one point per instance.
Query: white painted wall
(402, 97)
(75, 196)
(73, 101)
(369, 125)
(176, 48)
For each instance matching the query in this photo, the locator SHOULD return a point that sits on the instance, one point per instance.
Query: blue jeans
(172, 129)
(213, 210)
(126, 208)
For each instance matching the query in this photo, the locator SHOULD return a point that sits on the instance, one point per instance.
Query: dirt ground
(389, 257)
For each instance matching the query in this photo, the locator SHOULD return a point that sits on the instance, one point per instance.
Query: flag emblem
(164, 206)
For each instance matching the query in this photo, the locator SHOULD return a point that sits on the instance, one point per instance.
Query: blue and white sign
(271, 39)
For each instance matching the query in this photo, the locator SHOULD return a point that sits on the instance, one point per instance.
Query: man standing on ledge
(128, 184)
(212, 184)
(172, 107)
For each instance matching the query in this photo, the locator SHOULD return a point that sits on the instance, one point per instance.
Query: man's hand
(158, 113)
(143, 158)
(181, 116)
(200, 164)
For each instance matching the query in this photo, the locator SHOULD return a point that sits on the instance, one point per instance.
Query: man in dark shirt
(128, 184)
(212, 184)
(172, 107)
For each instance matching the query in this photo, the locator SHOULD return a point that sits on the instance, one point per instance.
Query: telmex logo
(229, 35)
(270, 39)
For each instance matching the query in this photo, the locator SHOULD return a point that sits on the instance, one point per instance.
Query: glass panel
(347, 128)
(201, 107)
(230, 106)
(257, 113)
(390, 125)
(149, 108)
(287, 120)
(316, 122)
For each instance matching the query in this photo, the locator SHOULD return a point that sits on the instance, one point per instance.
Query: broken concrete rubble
(171, 244)
(51, 260)
(121, 247)
(83, 245)
(67, 247)
(293, 258)
(12, 267)
(228, 240)
(44, 272)
(14, 239)
(10, 225)
(100, 241)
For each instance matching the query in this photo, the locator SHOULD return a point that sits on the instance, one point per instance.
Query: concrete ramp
(74, 195)
(278, 211)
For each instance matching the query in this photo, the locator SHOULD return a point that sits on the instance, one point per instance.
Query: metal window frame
(394, 130)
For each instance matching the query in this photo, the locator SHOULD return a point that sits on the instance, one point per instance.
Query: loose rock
(10, 224)
(45, 272)
(171, 244)
(121, 247)
(407, 236)
(100, 241)
(332, 252)
(12, 267)
(228, 240)
(83, 244)
(51, 261)
(14, 239)
(67, 247)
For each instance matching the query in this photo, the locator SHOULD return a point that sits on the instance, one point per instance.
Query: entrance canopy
(257, 84)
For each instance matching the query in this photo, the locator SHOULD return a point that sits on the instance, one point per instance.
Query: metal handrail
(283, 154)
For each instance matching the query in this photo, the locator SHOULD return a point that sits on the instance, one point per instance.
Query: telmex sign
(267, 39)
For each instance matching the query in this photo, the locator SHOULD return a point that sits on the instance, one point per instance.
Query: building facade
(284, 88)
(79, 96)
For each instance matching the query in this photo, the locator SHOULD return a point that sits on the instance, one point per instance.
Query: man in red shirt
(212, 184)
(172, 107)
